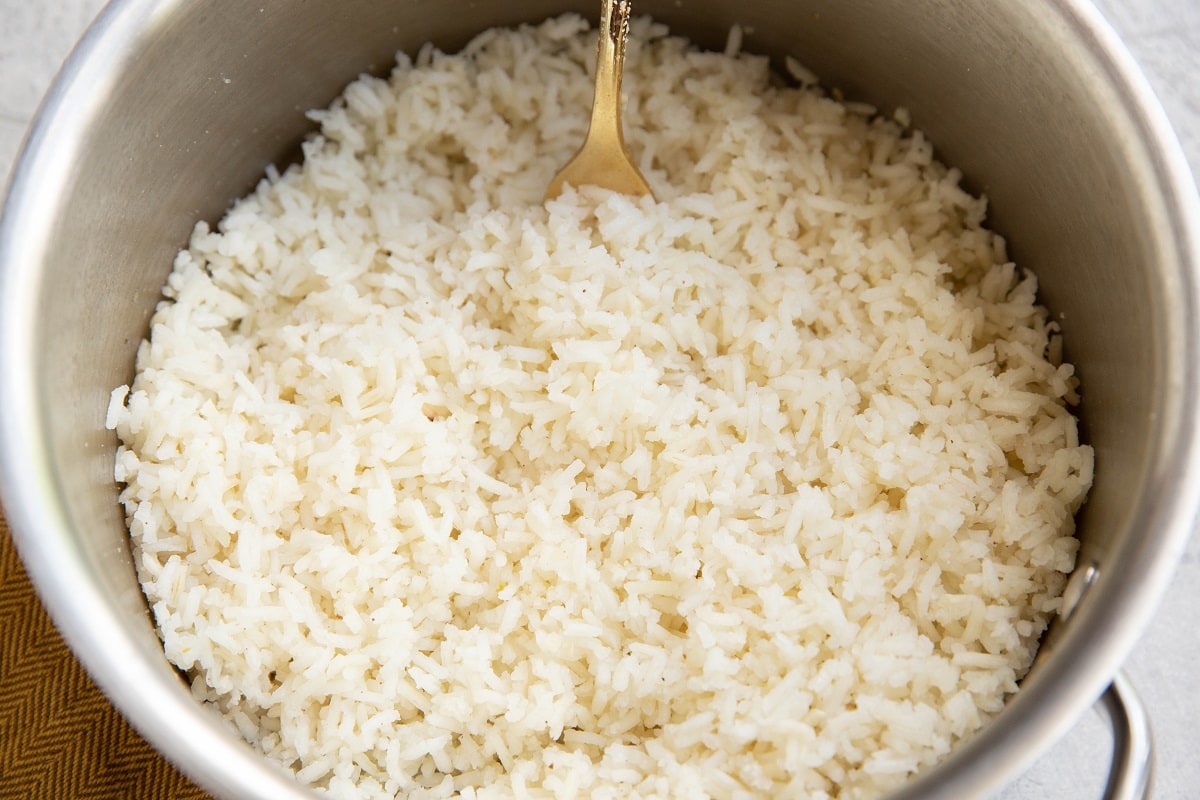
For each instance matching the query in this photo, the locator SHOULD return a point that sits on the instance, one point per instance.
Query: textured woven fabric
(59, 737)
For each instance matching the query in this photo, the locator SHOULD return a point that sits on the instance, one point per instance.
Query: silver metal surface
(1132, 773)
(170, 110)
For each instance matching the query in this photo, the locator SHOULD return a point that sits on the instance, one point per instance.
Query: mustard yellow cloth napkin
(59, 737)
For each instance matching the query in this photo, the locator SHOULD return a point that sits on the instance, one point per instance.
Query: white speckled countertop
(1164, 36)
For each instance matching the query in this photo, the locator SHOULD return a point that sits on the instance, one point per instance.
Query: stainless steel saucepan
(170, 110)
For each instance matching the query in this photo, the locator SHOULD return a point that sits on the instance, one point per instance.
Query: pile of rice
(765, 489)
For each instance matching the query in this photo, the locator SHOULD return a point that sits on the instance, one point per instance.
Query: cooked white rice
(762, 490)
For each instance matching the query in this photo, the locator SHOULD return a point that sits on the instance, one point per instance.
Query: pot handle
(1132, 773)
